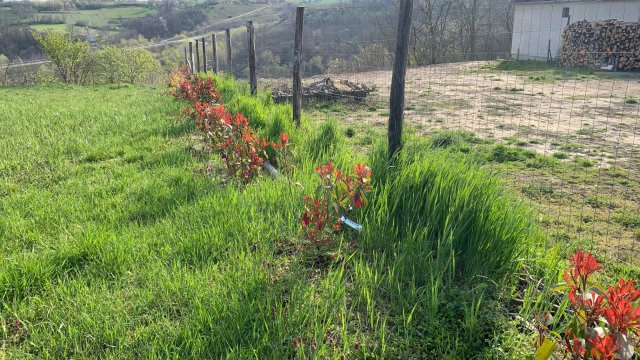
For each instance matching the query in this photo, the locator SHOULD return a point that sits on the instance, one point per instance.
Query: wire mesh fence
(565, 136)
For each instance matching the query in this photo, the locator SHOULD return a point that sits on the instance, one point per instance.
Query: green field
(94, 18)
(53, 27)
(116, 242)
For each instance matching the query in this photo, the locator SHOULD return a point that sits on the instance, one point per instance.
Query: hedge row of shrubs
(75, 63)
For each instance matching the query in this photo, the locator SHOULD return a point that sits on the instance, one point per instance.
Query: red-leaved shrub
(193, 88)
(338, 194)
(242, 152)
(604, 323)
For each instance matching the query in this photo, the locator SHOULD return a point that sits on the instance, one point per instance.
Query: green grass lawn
(116, 243)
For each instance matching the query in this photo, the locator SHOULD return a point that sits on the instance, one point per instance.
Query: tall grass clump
(266, 118)
(455, 213)
(325, 142)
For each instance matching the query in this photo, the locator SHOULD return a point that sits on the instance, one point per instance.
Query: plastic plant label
(351, 224)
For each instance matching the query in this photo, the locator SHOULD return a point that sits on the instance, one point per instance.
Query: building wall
(535, 24)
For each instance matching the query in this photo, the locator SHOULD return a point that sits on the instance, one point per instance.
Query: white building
(538, 24)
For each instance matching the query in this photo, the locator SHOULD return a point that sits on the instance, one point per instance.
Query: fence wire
(566, 138)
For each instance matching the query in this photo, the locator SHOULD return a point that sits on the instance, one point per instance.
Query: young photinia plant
(279, 151)
(242, 152)
(338, 194)
(605, 323)
(240, 149)
(193, 88)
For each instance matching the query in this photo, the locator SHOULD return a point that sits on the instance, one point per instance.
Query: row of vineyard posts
(397, 97)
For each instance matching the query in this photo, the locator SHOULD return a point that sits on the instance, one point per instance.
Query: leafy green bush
(70, 57)
(76, 64)
(114, 65)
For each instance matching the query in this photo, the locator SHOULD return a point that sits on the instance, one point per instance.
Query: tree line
(360, 36)
(454, 30)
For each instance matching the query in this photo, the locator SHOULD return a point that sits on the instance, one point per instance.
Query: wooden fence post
(229, 64)
(186, 59)
(214, 45)
(297, 66)
(191, 57)
(197, 57)
(253, 80)
(396, 105)
(204, 55)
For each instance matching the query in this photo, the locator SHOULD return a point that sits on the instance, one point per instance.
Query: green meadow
(121, 238)
(93, 18)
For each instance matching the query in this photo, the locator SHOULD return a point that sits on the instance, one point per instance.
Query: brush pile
(604, 43)
(325, 89)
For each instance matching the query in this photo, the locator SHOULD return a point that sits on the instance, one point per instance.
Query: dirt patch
(590, 123)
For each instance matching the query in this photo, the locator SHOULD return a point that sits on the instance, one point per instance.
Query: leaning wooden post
(253, 80)
(191, 57)
(229, 64)
(396, 105)
(197, 56)
(214, 45)
(297, 66)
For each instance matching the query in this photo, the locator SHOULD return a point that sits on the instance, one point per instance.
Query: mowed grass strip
(115, 244)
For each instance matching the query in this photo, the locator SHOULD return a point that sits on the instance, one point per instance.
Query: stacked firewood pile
(326, 89)
(602, 43)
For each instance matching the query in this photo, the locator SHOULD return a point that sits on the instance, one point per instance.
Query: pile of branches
(598, 44)
(325, 89)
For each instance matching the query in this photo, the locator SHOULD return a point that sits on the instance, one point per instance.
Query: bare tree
(435, 20)
(468, 19)
(454, 30)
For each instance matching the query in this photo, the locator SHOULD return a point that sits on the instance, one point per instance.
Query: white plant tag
(351, 224)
